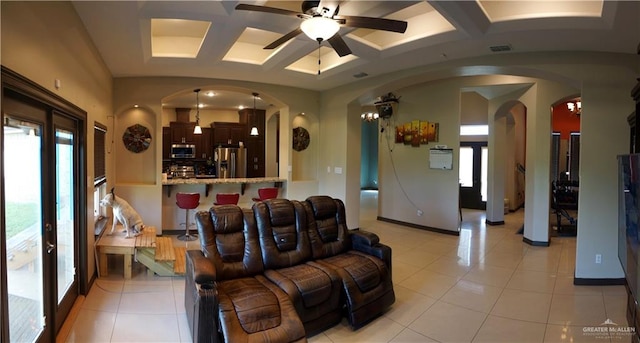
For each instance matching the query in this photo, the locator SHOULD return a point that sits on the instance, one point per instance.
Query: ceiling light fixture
(369, 116)
(197, 130)
(575, 107)
(319, 28)
(254, 129)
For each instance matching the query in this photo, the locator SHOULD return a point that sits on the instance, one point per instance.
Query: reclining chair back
(283, 239)
(327, 225)
(229, 238)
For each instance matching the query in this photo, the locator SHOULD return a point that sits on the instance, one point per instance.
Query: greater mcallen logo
(608, 329)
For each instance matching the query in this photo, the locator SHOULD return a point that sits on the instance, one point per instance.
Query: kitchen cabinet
(166, 143)
(255, 157)
(182, 132)
(254, 144)
(228, 133)
(204, 144)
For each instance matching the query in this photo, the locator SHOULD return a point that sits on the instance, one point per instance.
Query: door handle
(50, 247)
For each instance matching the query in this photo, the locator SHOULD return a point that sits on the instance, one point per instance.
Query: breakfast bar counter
(211, 182)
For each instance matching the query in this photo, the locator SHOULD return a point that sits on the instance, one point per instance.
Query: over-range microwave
(183, 151)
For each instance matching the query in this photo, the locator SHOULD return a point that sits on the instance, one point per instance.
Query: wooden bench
(118, 244)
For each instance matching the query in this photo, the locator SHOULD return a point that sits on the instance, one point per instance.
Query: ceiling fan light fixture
(319, 28)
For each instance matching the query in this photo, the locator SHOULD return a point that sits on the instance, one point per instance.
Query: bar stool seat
(266, 193)
(227, 199)
(187, 201)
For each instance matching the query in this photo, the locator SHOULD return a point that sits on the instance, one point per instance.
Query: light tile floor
(484, 286)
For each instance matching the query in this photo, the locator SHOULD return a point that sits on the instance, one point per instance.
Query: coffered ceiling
(211, 39)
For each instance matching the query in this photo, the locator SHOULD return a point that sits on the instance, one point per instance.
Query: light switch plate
(337, 170)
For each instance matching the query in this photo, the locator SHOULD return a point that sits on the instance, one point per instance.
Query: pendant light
(254, 129)
(197, 130)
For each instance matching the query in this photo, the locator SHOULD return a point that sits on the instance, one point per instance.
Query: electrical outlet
(598, 258)
(419, 212)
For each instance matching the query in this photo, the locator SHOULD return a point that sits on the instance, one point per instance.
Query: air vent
(500, 48)
(360, 75)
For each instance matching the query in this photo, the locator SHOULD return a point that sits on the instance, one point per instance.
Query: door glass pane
(23, 218)
(466, 166)
(65, 211)
(484, 160)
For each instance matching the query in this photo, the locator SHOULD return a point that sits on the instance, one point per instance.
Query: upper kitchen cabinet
(251, 119)
(228, 133)
(182, 132)
(166, 143)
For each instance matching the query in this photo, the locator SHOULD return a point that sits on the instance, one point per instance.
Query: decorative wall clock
(300, 138)
(136, 138)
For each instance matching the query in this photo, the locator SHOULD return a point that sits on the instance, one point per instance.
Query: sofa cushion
(364, 271)
(256, 306)
(255, 310)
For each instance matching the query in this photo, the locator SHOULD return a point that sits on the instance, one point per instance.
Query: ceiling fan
(320, 22)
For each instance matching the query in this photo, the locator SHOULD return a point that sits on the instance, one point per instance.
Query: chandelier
(575, 107)
(369, 116)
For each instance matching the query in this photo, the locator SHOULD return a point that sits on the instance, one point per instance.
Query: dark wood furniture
(629, 214)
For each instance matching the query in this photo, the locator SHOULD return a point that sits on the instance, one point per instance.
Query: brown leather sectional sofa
(282, 271)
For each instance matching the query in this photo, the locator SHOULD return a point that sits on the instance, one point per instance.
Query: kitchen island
(174, 217)
(211, 182)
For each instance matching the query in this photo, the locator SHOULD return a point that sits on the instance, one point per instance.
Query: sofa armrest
(202, 270)
(361, 237)
(201, 298)
(369, 243)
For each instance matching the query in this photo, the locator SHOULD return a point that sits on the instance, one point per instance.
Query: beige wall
(45, 41)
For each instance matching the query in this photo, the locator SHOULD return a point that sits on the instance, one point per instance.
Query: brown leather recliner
(315, 289)
(226, 296)
(363, 264)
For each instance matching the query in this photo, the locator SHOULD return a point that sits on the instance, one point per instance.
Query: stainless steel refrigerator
(231, 162)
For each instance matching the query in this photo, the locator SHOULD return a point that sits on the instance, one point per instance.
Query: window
(474, 130)
(99, 160)
(99, 167)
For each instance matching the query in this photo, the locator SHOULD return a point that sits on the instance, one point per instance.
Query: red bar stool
(266, 193)
(187, 201)
(227, 199)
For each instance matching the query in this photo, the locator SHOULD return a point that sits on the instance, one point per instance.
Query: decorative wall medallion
(136, 138)
(300, 138)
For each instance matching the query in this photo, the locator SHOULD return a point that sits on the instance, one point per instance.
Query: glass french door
(40, 163)
(473, 175)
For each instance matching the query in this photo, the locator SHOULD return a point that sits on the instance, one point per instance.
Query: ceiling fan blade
(256, 8)
(339, 45)
(284, 39)
(374, 23)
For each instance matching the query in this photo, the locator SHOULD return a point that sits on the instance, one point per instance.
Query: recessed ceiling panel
(422, 21)
(249, 47)
(329, 59)
(177, 37)
(498, 11)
